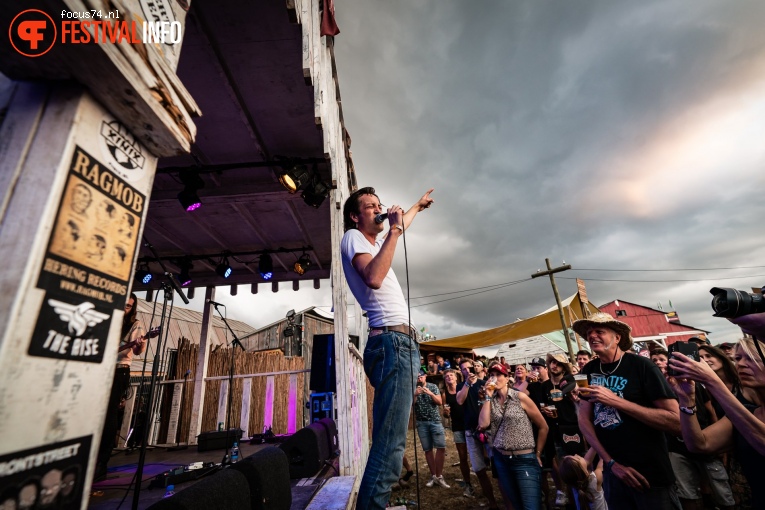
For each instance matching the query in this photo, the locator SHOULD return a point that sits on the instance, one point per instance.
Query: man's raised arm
(423, 203)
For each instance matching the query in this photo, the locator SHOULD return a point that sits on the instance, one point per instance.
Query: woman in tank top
(515, 455)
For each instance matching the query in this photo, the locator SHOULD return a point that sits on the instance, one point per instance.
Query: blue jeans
(521, 479)
(391, 361)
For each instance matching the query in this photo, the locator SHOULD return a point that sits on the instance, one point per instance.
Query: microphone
(214, 302)
(381, 217)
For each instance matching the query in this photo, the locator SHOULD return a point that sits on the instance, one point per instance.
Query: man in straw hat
(624, 414)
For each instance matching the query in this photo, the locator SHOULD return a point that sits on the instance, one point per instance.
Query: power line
(490, 287)
(666, 270)
(473, 294)
(667, 281)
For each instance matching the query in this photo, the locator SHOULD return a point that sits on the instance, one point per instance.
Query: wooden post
(68, 269)
(203, 357)
(244, 417)
(550, 271)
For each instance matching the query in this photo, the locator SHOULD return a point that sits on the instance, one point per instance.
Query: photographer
(741, 429)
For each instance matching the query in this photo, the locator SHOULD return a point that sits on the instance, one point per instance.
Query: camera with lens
(732, 303)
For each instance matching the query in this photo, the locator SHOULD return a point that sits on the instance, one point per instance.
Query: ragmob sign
(87, 266)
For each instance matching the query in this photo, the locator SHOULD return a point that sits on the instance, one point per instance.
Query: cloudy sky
(620, 136)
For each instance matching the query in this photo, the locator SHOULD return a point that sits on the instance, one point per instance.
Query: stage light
(295, 178)
(266, 266)
(315, 192)
(291, 314)
(185, 276)
(302, 264)
(223, 269)
(143, 275)
(189, 198)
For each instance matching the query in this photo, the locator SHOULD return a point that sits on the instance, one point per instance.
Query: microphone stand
(149, 403)
(173, 285)
(234, 343)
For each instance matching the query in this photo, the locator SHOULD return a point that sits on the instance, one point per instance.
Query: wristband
(399, 227)
(688, 410)
(610, 463)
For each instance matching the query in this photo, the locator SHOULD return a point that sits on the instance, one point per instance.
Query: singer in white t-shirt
(391, 356)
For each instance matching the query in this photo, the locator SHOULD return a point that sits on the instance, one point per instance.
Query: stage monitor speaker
(332, 442)
(307, 450)
(225, 489)
(323, 364)
(218, 439)
(268, 473)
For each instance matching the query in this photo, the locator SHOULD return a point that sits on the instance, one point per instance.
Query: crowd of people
(627, 411)
(614, 429)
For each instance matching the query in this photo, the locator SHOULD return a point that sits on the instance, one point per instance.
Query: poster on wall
(88, 263)
(50, 476)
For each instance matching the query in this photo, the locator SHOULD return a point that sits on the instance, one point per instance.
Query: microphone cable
(411, 365)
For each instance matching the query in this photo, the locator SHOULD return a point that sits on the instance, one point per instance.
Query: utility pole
(551, 271)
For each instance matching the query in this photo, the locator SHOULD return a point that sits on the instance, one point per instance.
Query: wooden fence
(244, 363)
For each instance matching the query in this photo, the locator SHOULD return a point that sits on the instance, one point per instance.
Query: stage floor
(107, 494)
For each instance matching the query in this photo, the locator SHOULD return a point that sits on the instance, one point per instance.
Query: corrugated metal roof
(646, 321)
(311, 310)
(183, 323)
(534, 346)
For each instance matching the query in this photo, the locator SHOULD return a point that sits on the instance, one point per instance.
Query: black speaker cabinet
(332, 442)
(268, 474)
(307, 450)
(227, 489)
(323, 364)
(218, 440)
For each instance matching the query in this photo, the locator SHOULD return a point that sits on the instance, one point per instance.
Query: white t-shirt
(384, 306)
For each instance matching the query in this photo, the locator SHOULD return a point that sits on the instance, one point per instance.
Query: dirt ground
(436, 498)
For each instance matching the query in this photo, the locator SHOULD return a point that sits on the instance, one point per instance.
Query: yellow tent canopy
(545, 322)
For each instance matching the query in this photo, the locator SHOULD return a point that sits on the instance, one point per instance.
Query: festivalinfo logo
(33, 32)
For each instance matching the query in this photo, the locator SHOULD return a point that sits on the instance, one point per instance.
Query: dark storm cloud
(617, 135)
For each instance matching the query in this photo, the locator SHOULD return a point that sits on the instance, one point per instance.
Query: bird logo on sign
(78, 317)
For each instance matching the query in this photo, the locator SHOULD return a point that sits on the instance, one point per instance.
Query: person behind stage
(391, 356)
(132, 343)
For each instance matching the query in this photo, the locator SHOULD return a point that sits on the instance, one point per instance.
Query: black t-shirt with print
(628, 440)
(456, 412)
(471, 407)
(558, 396)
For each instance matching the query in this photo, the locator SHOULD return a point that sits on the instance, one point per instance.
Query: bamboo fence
(244, 363)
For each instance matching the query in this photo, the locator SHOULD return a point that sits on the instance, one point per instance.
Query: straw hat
(603, 319)
(558, 357)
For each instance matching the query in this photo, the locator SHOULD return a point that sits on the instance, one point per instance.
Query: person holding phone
(742, 429)
(468, 398)
(690, 468)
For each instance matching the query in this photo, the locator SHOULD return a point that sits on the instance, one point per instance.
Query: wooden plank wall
(244, 363)
(319, 71)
